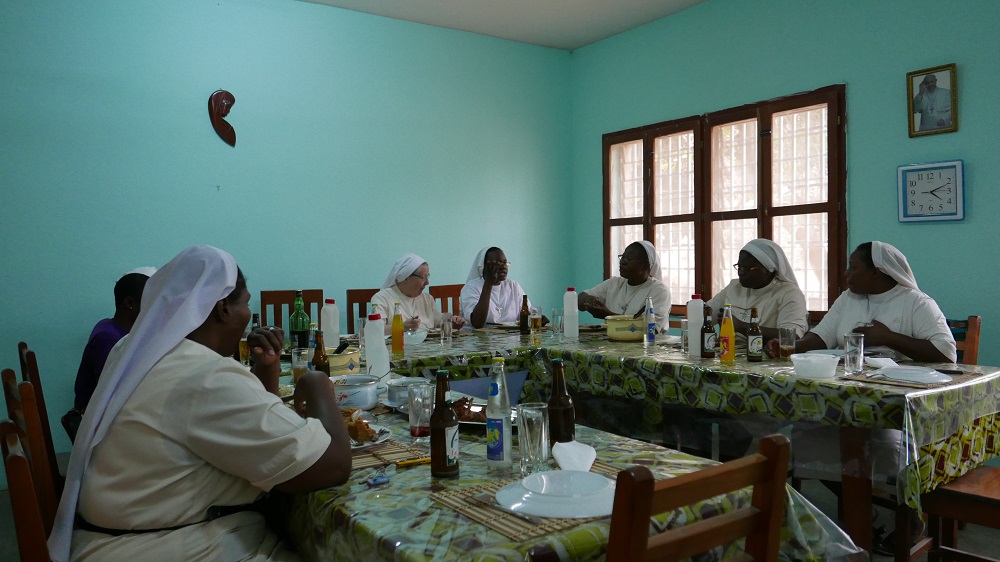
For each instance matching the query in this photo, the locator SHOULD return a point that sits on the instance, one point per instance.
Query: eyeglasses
(495, 262)
(426, 278)
(742, 268)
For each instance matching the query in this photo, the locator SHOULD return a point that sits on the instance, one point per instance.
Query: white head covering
(892, 262)
(477, 264)
(772, 257)
(147, 271)
(403, 268)
(654, 260)
(177, 299)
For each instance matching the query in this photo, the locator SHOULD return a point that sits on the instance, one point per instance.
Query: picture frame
(932, 100)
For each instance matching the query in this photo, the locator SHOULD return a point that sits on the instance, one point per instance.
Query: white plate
(914, 374)
(570, 494)
(376, 428)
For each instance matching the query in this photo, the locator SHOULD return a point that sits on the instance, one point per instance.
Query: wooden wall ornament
(219, 104)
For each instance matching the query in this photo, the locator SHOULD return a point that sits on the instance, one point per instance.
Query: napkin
(879, 362)
(574, 455)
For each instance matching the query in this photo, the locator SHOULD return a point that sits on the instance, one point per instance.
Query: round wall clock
(931, 192)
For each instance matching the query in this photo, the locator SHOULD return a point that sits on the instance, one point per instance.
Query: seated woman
(639, 267)
(179, 439)
(488, 295)
(405, 284)
(764, 280)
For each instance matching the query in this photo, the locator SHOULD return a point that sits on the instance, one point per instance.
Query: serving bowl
(398, 393)
(622, 327)
(815, 366)
(356, 391)
(414, 337)
(347, 362)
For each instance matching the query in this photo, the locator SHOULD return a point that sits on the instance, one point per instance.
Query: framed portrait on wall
(932, 100)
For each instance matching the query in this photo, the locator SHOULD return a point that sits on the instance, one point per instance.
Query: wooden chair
(28, 520)
(450, 297)
(678, 312)
(29, 373)
(357, 303)
(23, 410)
(966, 334)
(278, 300)
(638, 496)
(971, 498)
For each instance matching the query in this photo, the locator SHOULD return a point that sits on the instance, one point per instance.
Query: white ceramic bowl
(814, 365)
(356, 391)
(413, 338)
(398, 393)
(623, 327)
(348, 362)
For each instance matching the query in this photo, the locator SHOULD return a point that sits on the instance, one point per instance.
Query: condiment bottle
(525, 316)
(649, 321)
(498, 419)
(695, 308)
(727, 336)
(397, 332)
(320, 361)
(562, 415)
(755, 339)
(298, 323)
(376, 354)
(571, 313)
(708, 336)
(444, 432)
(329, 320)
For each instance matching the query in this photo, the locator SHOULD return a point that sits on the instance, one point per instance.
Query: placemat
(384, 453)
(955, 379)
(511, 526)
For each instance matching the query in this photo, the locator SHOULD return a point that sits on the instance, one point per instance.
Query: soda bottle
(708, 336)
(298, 323)
(755, 339)
(727, 336)
(254, 324)
(525, 316)
(649, 320)
(397, 332)
(498, 419)
(444, 432)
(320, 361)
(562, 415)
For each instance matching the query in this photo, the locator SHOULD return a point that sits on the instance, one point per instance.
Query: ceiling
(562, 24)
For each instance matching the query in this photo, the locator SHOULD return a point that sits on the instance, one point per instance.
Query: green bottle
(298, 323)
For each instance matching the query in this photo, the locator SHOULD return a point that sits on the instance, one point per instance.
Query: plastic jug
(695, 318)
(376, 353)
(571, 314)
(329, 317)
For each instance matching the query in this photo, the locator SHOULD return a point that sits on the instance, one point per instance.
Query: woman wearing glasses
(764, 280)
(405, 284)
(639, 267)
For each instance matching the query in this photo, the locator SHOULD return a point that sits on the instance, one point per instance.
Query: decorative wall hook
(219, 104)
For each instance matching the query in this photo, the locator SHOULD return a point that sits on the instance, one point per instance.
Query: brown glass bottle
(320, 360)
(707, 336)
(444, 432)
(755, 339)
(562, 415)
(525, 316)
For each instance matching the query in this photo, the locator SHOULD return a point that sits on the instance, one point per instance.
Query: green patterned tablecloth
(398, 521)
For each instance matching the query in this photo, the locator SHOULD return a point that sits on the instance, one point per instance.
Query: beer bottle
(320, 360)
(708, 336)
(444, 432)
(562, 416)
(397, 332)
(498, 419)
(755, 339)
(525, 316)
(727, 336)
(298, 323)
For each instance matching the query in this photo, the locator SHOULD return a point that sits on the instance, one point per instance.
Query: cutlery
(340, 348)
(488, 499)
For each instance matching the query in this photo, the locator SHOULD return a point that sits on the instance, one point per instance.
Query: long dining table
(624, 388)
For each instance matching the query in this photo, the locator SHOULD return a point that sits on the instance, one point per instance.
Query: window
(700, 188)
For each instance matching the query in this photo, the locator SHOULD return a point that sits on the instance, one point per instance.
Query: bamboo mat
(384, 453)
(464, 501)
(955, 379)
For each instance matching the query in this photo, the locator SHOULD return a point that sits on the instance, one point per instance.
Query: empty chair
(966, 334)
(28, 521)
(357, 303)
(449, 296)
(278, 301)
(639, 496)
(29, 373)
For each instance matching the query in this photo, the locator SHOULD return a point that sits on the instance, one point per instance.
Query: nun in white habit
(639, 267)
(488, 295)
(405, 284)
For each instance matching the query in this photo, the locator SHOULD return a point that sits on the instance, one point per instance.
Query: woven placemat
(955, 379)
(511, 526)
(384, 453)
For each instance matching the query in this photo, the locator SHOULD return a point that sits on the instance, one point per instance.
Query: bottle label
(451, 444)
(755, 345)
(651, 332)
(494, 439)
(709, 341)
(494, 389)
(725, 344)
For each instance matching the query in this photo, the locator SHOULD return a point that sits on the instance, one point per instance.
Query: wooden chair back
(638, 496)
(678, 312)
(278, 301)
(449, 296)
(22, 351)
(28, 520)
(966, 334)
(30, 374)
(22, 408)
(357, 303)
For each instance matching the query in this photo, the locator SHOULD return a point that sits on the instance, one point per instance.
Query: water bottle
(329, 320)
(695, 317)
(649, 319)
(571, 314)
(376, 353)
(498, 419)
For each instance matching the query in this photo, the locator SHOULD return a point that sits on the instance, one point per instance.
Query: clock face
(931, 192)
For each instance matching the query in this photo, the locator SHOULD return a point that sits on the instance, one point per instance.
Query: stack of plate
(568, 494)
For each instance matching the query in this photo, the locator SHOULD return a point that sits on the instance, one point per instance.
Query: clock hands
(933, 191)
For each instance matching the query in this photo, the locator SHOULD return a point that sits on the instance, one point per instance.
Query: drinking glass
(244, 351)
(445, 328)
(535, 320)
(854, 353)
(300, 362)
(685, 340)
(359, 325)
(533, 436)
(421, 406)
(557, 323)
(786, 343)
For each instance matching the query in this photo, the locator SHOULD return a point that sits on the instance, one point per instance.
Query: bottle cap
(331, 301)
(696, 296)
(373, 317)
(498, 359)
(570, 288)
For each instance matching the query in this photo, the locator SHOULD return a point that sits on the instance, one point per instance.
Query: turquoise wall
(725, 53)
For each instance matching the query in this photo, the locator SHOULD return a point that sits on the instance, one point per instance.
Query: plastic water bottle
(649, 320)
(498, 419)
(329, 318)
(571, 314)
(376, 353)
(695, 317)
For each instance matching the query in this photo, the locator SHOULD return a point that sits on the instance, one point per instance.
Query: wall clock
(931, 192)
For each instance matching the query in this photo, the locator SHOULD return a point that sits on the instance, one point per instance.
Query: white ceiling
(562, 24)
